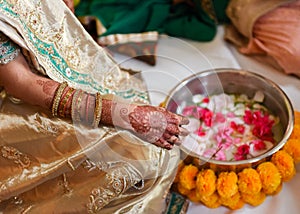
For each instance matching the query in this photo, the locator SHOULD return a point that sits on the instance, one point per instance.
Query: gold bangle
(64, 102)
(98, 110)
(76, 101)
(57, 97)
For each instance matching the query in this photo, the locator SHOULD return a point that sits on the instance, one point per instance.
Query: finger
(163, 143)
(183, 131)
(184, 121)
(173, 129)
(174, 140)
(166, 135)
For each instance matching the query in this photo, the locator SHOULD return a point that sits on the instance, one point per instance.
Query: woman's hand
(151, 123)
(158, 125)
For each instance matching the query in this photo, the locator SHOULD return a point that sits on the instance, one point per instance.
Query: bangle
(75, 106)
(98, 110)
(64, 102)
(57, 97)
(87, 108)
(68, 106)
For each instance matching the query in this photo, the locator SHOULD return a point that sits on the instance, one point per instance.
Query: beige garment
(49, 165)
(243, 15)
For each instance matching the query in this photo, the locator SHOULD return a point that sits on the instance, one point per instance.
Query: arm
(20, 82)
(153, 124)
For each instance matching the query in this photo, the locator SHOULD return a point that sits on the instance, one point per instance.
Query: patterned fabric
(54, 165)
(8, 50)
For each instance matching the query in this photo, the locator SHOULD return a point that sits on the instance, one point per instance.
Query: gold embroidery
(119, 178)
(12, 153)
(65, 184)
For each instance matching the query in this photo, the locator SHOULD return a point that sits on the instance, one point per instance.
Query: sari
(268, 31)
(52, 165)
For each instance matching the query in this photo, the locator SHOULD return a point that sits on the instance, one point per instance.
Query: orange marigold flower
(179, 168)
(188, 176)
(227, 184)
(279, 188)
(249, 181)
(206, 182)
(292, 146)
(211, 201)
(254, 199)
(238, 205)
(182, 190)
(269, 176)
(297, 117)
(296, 131)
(193, 196)
(231, 201)
(285, 164)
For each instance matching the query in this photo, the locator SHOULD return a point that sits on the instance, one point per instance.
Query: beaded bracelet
(98, 110)
(57, 97)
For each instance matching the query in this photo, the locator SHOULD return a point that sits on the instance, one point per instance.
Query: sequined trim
(8, 50)
(13, 154)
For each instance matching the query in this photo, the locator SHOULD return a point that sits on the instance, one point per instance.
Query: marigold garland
(249, 186)
(206, 182)
(249, 181)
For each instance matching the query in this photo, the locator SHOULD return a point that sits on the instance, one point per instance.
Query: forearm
(153, 124)
(20, 82)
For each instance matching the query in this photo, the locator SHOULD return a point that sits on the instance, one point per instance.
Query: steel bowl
(234, 81)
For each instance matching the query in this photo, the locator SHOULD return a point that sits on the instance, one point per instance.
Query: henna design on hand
(151, 123)
(157, 125)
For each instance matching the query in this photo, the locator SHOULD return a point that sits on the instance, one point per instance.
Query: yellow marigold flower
(193, 196)
(206, 182)
(179, 168)
(296, 131)
(254, 199)
(297, 117)
(227, 184)
(269, 176)
(279, 188)
(182, 190)
(285, 165)
(238, 205)
(231, 201)
(188, 176)
(292, 146)
(249, 181)
(211, 201)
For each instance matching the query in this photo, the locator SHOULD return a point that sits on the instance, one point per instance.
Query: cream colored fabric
(54, 166)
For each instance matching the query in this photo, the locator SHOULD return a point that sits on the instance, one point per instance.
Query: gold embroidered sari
(49, 165)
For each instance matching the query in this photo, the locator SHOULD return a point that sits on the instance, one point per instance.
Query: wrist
(116, 113)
